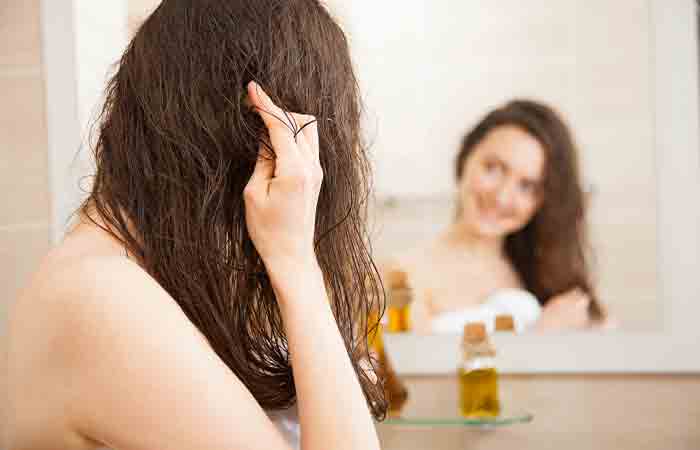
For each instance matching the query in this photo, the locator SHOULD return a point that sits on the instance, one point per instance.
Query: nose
(505, 196)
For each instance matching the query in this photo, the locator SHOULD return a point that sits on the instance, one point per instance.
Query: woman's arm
(332, 408)
(281, 200)
(566, 311)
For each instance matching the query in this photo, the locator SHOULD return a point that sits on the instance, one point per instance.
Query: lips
(489, 213)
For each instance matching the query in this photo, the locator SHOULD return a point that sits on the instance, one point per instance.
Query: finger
(307, 139)
(279, 124)
(308, 126)
(302, 142)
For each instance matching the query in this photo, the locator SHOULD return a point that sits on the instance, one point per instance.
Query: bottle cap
(397, 279)
(475, 332)
(504, 322)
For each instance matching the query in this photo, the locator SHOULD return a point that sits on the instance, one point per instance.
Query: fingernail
(260, 91)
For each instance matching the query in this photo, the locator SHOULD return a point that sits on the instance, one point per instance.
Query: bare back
(30, 331)
(74, 364)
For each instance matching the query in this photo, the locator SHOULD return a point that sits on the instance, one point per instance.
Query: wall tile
(24, 190)
(20, 33)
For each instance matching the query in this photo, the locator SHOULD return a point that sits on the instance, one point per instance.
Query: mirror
(484, 205)
(622, 76)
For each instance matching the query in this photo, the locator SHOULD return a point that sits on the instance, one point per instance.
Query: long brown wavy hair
(176, 145)
(551, 253)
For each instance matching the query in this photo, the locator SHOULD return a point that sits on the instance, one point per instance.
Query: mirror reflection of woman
(520, 227)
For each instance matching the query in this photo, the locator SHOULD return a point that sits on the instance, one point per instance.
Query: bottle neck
(479, 362)
(478, 355)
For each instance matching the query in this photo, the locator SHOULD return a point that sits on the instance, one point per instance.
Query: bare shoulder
(66, 317)
(413, 263)
(73, 312)
(118, 354)
(87, 294)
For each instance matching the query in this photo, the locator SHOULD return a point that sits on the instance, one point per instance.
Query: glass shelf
(505, 418)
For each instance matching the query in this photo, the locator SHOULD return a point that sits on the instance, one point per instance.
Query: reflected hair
(551, 253)
(176, 145)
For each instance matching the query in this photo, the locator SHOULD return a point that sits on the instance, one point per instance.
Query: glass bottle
(478, 379)
(504, 323)
(399, 296)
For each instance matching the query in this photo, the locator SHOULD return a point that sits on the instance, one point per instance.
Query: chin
(496, 230)
(491, 230)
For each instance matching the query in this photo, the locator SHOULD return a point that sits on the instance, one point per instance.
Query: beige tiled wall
(24, 185)
(24, 190)
(635, 412)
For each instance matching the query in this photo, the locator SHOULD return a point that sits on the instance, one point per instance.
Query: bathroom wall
(577, 412)
(24, 180)
(47, 100)
(24, 184)
(39, 127)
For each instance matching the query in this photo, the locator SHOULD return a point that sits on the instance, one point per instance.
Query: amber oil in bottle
(400, 296)
(478, 379)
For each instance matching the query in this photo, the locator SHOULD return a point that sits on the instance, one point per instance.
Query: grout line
(20, 71)
(24, 226)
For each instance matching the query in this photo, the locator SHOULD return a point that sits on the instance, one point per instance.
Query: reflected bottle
(504, 323)
(478, 379)
(400, 296)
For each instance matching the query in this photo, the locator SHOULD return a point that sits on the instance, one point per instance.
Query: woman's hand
(280, 206)
(281, 196)
(567, 311)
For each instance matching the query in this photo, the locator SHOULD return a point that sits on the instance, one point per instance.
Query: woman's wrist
(294, 278)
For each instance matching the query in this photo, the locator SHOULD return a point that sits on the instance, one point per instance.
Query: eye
(528, 187)
(492, 166)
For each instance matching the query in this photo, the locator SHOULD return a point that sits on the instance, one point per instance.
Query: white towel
(287, 421)
(520, 304)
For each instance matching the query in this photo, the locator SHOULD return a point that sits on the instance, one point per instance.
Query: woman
(210, 281)
(520, 225)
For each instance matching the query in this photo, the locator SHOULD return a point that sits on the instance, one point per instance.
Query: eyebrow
(534, 181)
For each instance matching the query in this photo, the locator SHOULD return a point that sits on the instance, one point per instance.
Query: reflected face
(501, 185)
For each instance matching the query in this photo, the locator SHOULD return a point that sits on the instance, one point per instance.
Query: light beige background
(24, 185)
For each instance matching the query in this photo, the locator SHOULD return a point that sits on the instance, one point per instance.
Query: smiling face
(501, 184)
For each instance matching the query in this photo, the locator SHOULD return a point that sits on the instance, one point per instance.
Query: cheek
(480, 183)
(527, 209)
